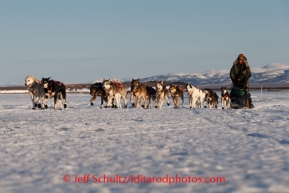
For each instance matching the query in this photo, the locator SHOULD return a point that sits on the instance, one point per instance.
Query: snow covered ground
(249, 148)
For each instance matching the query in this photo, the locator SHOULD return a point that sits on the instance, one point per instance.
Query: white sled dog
(196, 96)
(225, 98)
(116, 90)
(36, 92)
(162, 93)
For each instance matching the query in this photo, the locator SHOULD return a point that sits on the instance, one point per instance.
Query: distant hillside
(272, 73)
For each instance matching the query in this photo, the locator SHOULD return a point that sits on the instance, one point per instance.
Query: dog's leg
(37, 101)
(124, 99)
(161, 104)
(64, 98)
(44, 101)
(59, 100)
(161, 100)
(131, 99)
(32, 99)
(149, 100)
(109, 98)
(117, 100)
(101, 101)
(93, 99)
(154, 99)
(177, 102)
(198, 102)
(137, 97)
(182, 97)
(229, 103)
(55, 101)
(157, 102)
(167, 99)
(193, 102)
(190, 100)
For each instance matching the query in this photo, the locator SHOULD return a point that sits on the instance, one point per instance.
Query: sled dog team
(111, 92)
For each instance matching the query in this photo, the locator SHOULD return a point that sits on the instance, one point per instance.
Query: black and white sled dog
(54, 89)
(36, 91)
(211, 98)
(96, 89)
(225, 98)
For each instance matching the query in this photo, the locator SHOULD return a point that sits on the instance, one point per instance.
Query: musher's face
(240, 61)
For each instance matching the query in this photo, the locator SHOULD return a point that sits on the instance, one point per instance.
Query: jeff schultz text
(86, 178)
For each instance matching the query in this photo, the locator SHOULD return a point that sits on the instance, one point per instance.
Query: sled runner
(241, 98)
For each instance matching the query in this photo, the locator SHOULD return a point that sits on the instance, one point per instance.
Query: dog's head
(159, 85)
(173, 88)
(134, 84)
(30, 81)
(189, 87)
(45, 82)
(224, 90)
(106, 84)
(95, 88)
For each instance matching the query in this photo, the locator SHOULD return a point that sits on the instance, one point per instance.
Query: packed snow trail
(250, 148)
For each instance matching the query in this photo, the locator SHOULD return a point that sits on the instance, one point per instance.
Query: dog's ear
(138, 79)
(162, 82)
(132, 79)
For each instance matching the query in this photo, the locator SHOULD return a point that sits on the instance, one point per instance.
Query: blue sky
(82, 41)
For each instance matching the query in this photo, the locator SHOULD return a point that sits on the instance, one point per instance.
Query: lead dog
(96, 89)
(176, 92)
(161, 94)
(36, 92)
(225, 98)
(54, 89)
(114, 89)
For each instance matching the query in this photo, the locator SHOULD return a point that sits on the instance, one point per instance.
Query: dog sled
(240, 98)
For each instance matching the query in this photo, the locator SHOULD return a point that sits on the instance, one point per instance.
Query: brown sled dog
(141, 93)
(176, 92)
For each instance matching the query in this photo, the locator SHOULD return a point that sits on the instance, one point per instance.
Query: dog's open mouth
(28, 85)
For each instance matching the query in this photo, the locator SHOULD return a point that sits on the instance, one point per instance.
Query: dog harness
(225, 96)
(119, 85)
(59, 83)
(181, 88)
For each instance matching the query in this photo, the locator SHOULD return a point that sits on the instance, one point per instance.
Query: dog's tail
(63, 91)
